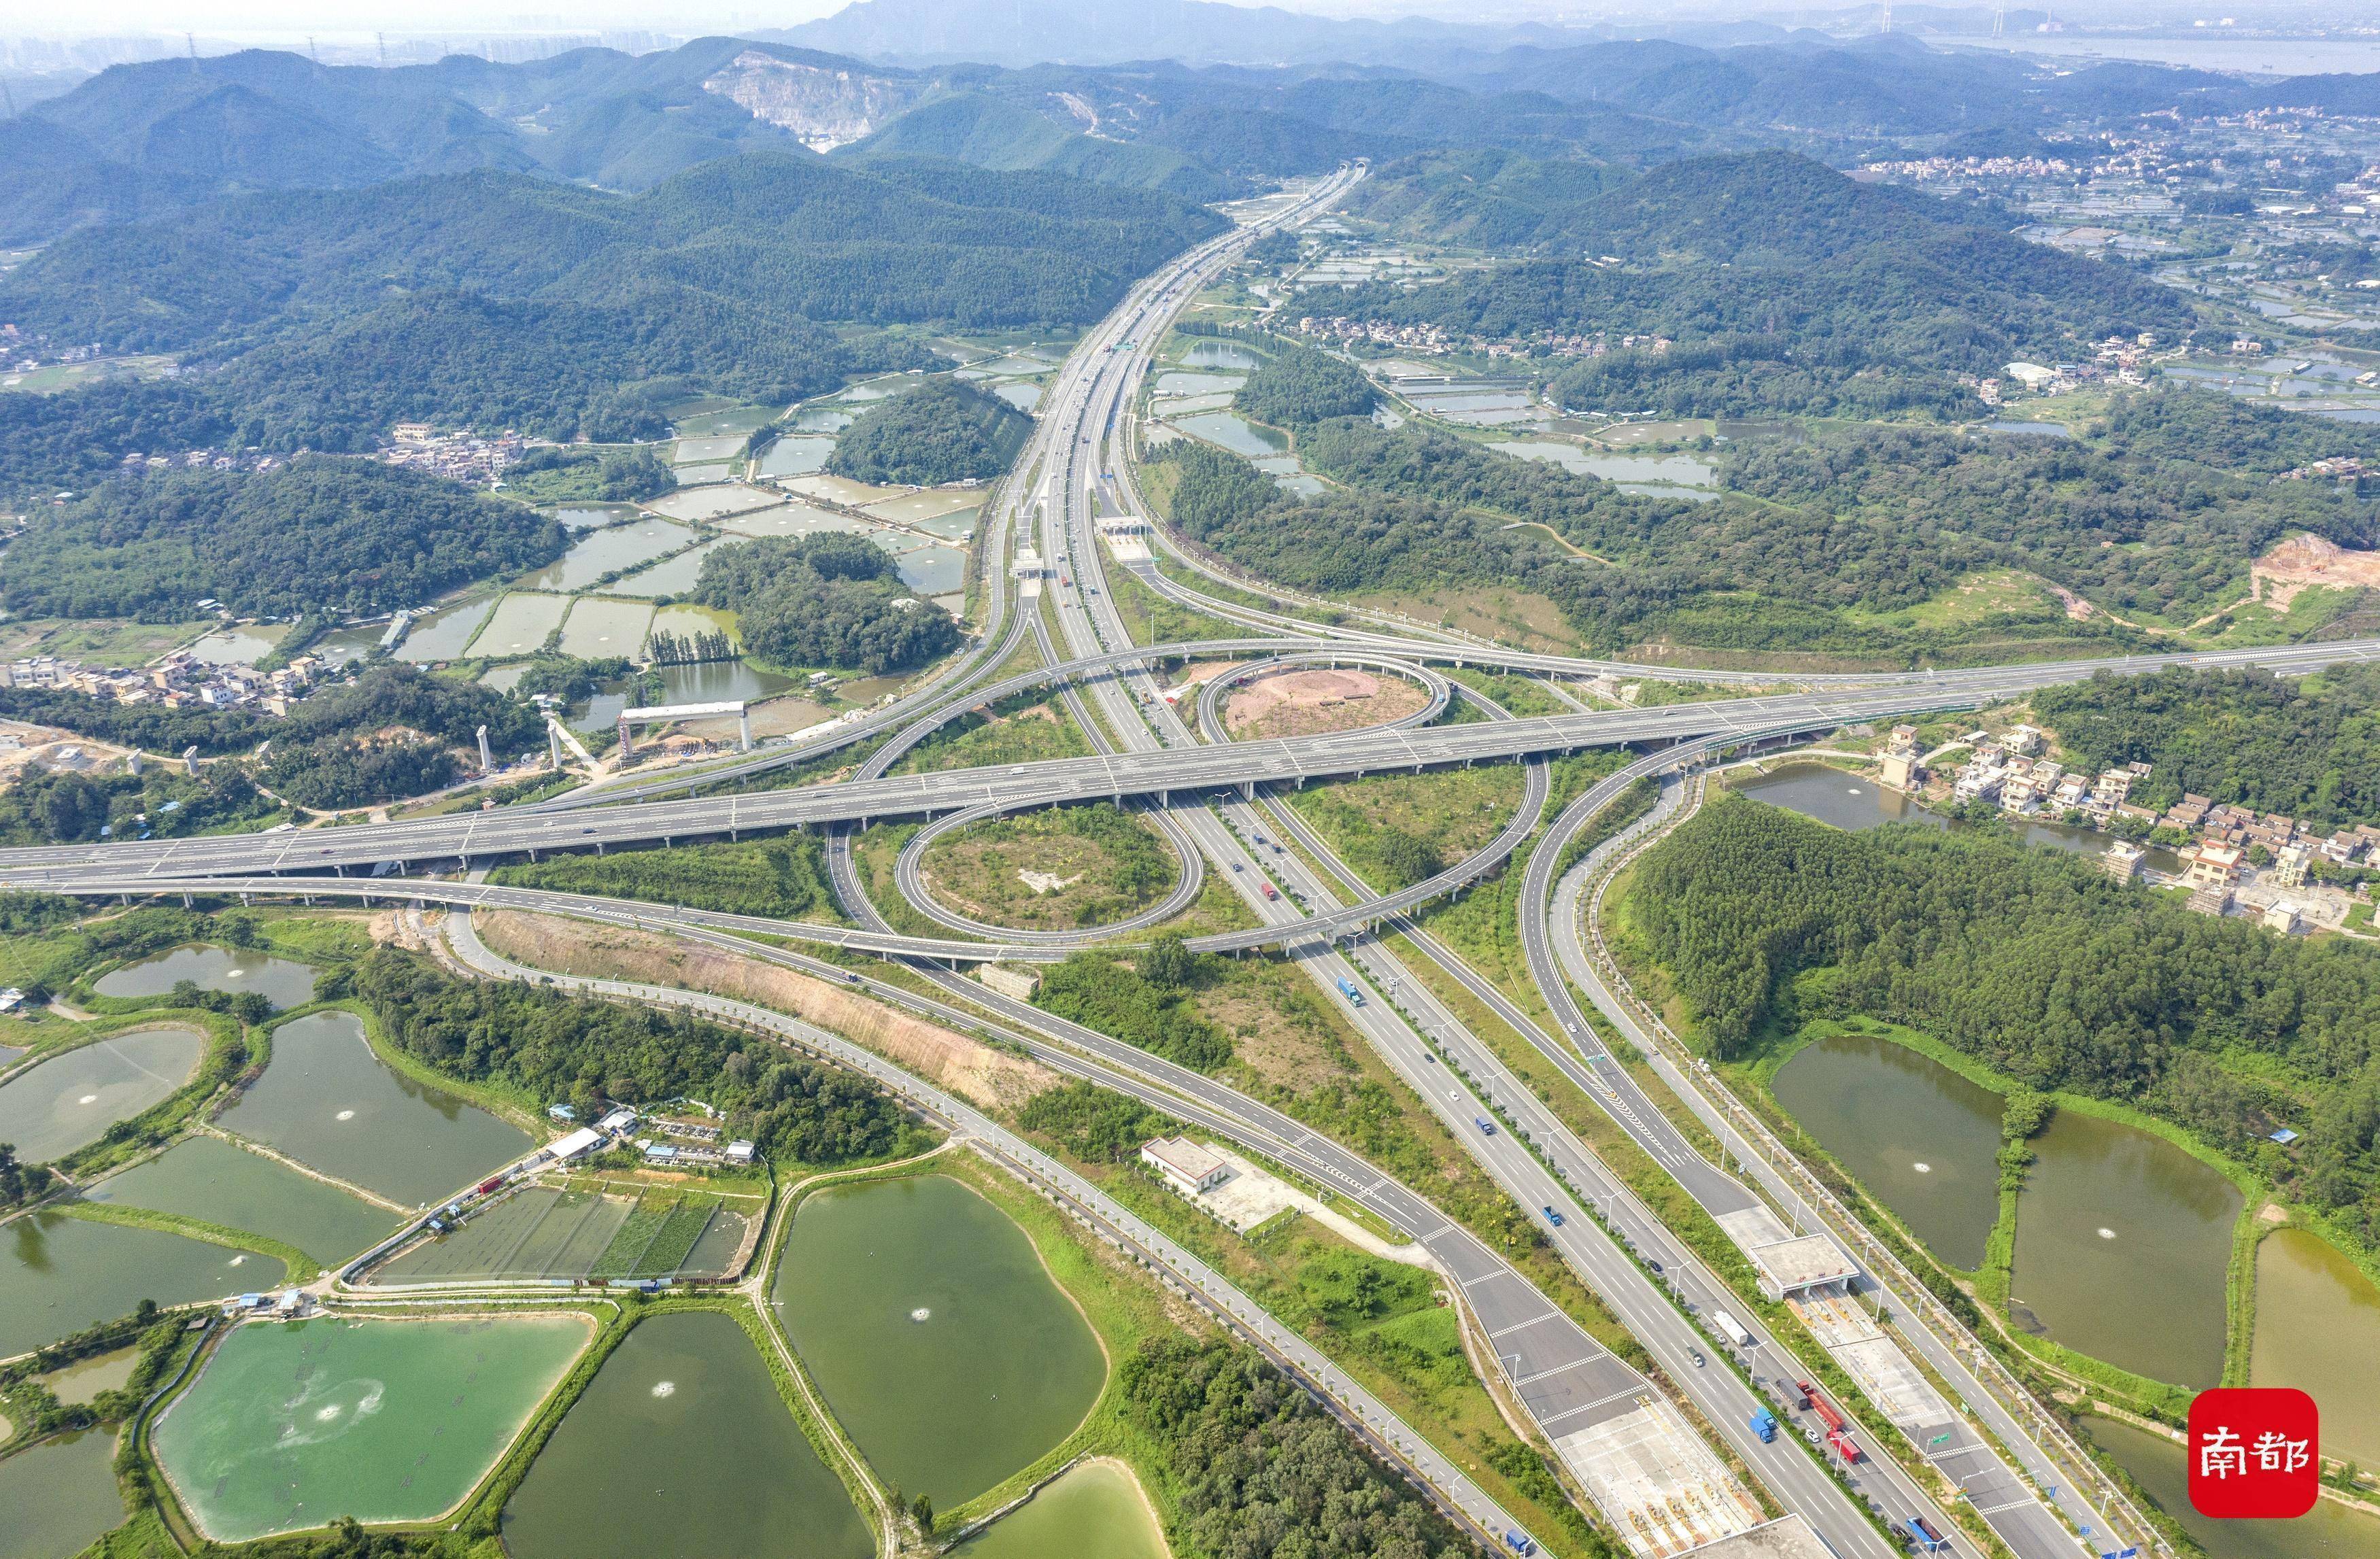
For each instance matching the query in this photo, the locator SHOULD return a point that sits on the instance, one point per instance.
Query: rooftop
(1184, 1156)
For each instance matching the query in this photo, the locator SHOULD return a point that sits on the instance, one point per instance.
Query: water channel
(284, 982)
(682, 1445)
(2318, 1329)
(55, 1106)
(208, 1179)
(942, 1343)
(1096, 1511)
(329, 1102)
(2327, 1531)
(60, 1275)
(59, 1496)
(1914, 1133)
(292, 1424)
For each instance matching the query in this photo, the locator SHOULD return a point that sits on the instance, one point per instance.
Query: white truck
(1730, 1329)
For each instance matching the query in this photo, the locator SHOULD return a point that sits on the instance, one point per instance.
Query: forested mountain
(900, 240)
(987, 132)
(323, 535)
(1115, 100)
(1782, 286)
(494, 299)
(144, 140)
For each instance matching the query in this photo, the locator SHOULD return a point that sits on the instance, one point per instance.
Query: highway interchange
(1217, 801)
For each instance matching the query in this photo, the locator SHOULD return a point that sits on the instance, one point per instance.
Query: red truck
(1269, 892)
(1842, 1440)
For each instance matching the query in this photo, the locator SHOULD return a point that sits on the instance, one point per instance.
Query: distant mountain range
(139, 141)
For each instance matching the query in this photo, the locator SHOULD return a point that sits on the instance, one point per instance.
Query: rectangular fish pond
(209, 1179)
(292, 1424)
(329, 1102)
(60, 1274)
(683, 1411)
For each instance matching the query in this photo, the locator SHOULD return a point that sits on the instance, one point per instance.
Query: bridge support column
(598, 847)
(185, 898)
(1248, 789)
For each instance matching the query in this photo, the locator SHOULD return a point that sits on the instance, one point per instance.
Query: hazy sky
(358, 19)
(353, 22)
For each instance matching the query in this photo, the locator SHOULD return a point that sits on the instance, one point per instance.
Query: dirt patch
(1051, 870)
(966, 1066)
(2276, 579)
(1314, 702)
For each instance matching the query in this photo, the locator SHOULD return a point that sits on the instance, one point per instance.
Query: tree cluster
(2311, 752)
(611, 475)
(61, 807)
(1260, 1469)
(390, 734)
(782, 878)
(2034, 963)
(587, 1053)
(1298, 386)
(941, 431)
(1125, 1003)
(1094, 1124)
(833, 599)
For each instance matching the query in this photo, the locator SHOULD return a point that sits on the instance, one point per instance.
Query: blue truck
(1764, 1424)
(1486, 1127)
(1519, 1543)
(1927, 1537)
(1353, 992)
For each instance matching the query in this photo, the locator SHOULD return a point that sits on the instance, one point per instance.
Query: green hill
(941, 431)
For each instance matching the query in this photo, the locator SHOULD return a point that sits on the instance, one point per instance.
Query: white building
(578, 1144)
(1186, 1166)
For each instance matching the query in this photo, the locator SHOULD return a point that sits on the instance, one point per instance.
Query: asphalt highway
(1217, 801)
(1155, 771)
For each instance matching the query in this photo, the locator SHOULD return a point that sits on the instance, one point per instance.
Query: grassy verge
(1388, 1325)
(1030, 728)
(1150, 618)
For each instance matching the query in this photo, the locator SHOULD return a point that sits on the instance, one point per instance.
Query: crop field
(540, 1232)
